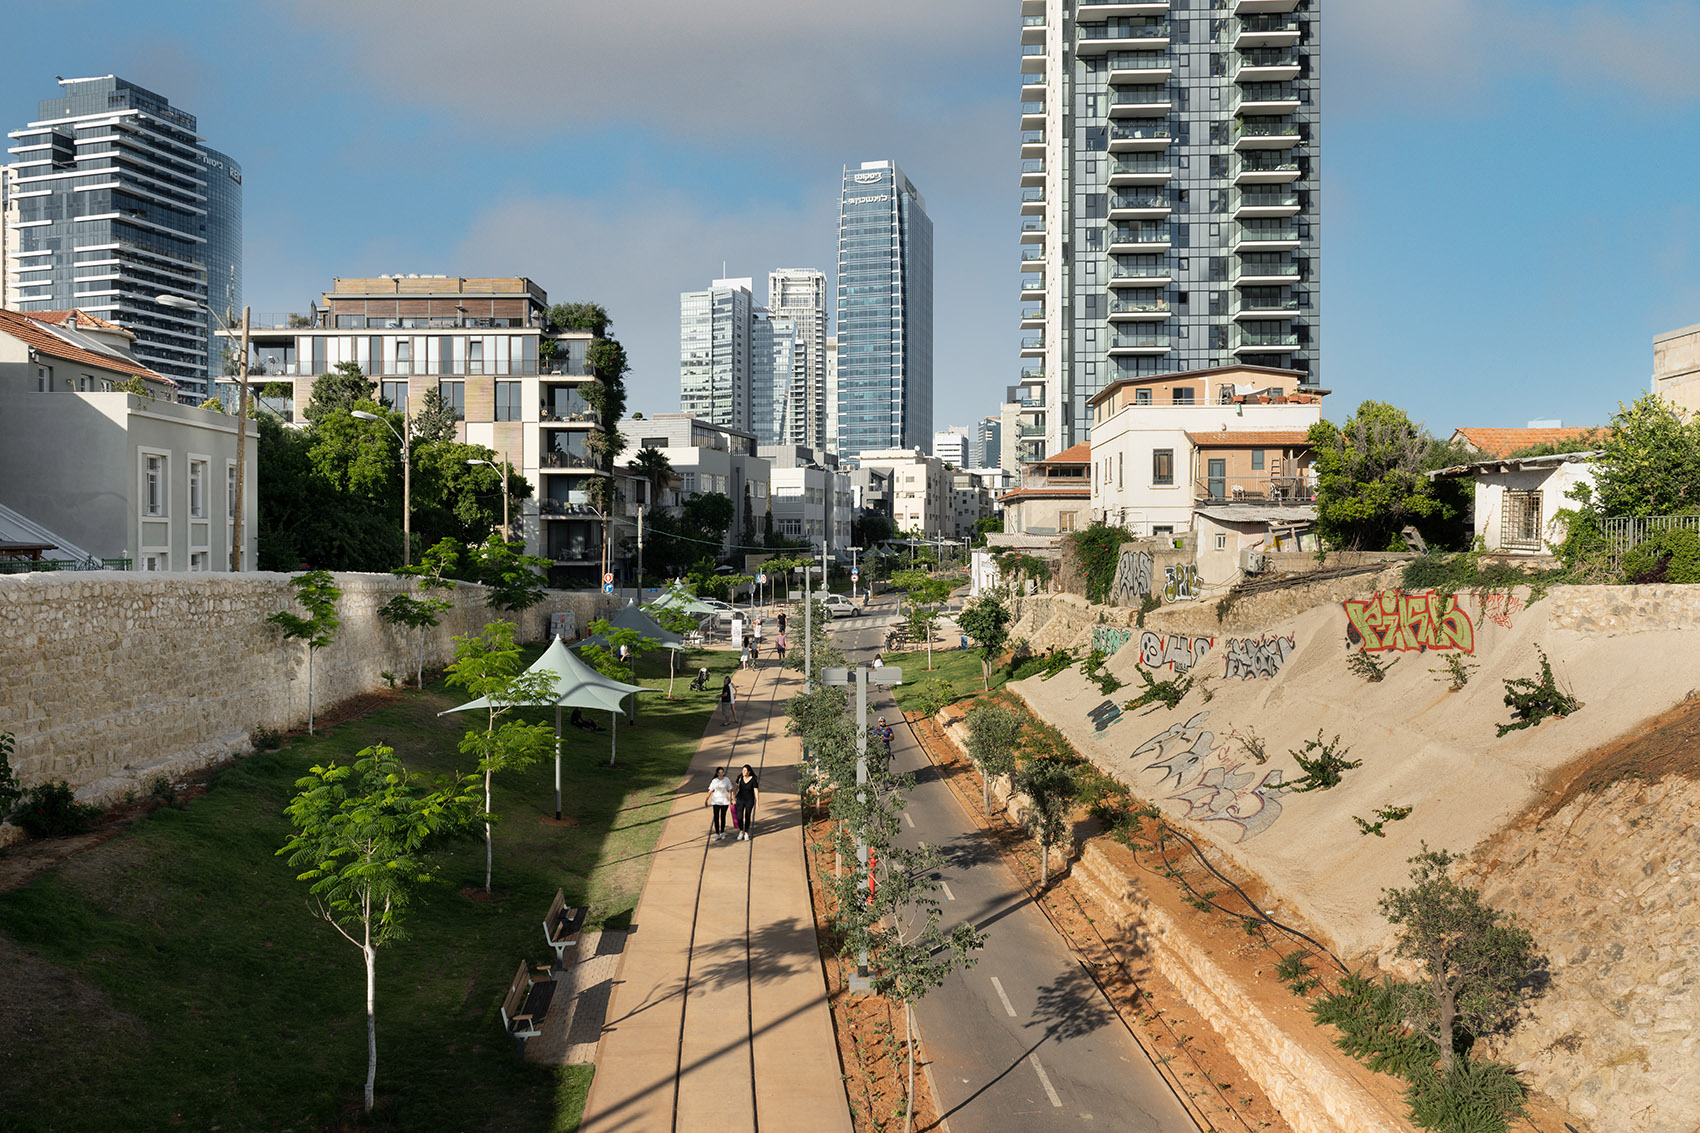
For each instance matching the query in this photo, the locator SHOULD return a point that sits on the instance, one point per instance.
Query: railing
(1267, 92)
(1139, 341)
(1120, 271)
(1033, 193)
(1250, 304)
(1249, 234)
(1271, 130)
(1265, 161)
(1623, 532)
(1033, 375)
(1267, 23)
(280, 320)
(1032, 283)
(1028, 313)
(1140, 201)
(1157, 234)
(1032, 49)
(1028, 255)
(1262, 488)
(1282, 340)
(1140, 307)
(1140, 61)
(1268, 57)
(1033, 165)
(565, 460)
(1151, 95)
(1032, 137)
(29, 566)
(1126, 29)
(1120, 132)
(1032, 21)
(1141, 165)
(1033, 224)
(1259, 269)
(1033, 342)
(1267, 200)
(1032, 107)
(549, 416)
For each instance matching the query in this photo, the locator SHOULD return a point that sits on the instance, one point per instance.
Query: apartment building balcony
(1145, 170)
(1257, 488)
(1256, 32)
(1261, 7)
(1137, 345)
(1033, 171)
(1251, 305)
(1032, 288)
(1257, 167)
(1275, 237)
(1033, 84)
(1137, 136)
(1141, 309)
(1034, 376)
(1262, 342)
(1032, 143)
(1266, 100)
(1032, 112)
(1140, 67)
(1033, 318)
(1033, 29)
(1033, 199)
(566, 461)
(1032, 259)
(1267, 65)
(1140, 206)
(1033, 57)
(1121, 9)
(1266, 274)
(1126, 275)
(1141, 102)
(1251, 204)
(1277, 135)
(1121, 35)
(1032, 230)
(1033, 346)
(1137, 239)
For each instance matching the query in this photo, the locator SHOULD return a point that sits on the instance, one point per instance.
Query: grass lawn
(960, 668)
(175, 976)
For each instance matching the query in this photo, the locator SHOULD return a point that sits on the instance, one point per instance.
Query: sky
(1507, 207)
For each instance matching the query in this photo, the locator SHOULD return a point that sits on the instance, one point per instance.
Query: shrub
(932, 694)
(1382, 817)
(1368, 666)
(1672, 555)
(10, 792)
(1533, 700)
(265, 739)
(1372, 1029)
(1473, 1096)
(1057, 661)
(1456, 672)
(1294, 971)
(1169, 693)
(51, 810)
(1322, 763)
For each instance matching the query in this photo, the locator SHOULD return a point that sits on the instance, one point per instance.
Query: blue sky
(1508, 212)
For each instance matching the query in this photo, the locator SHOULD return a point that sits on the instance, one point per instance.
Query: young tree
(435, 420)
(515, 580)
(1476, 961)
(421, 613)
(1052, 790)
(1371, 482)
(986, 620)
(344, 388)
(366, 837)
(924, 595)
(993, 735)
(489, 665)
(317, 593)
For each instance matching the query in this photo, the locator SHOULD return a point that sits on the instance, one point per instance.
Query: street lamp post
(406, 482)
(887, 675)
(241, 415)
(507, 532)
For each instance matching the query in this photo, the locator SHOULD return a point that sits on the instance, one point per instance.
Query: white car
(839, 606)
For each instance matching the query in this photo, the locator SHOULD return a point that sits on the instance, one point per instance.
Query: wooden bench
(561, 927)
(526, 1005)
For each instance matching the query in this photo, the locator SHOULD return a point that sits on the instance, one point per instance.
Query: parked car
(839, 606)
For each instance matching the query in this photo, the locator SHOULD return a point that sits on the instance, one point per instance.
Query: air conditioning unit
(1251, 561)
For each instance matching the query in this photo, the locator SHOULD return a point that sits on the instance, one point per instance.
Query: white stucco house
(1518, 498)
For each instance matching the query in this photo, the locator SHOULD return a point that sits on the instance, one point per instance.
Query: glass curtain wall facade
(885, 312)
(777, 362)
(799, 294)
(714, 353)
(1170, 197)
(118, 202)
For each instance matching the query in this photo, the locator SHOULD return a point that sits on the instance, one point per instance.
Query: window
(1120, 466)
(1183, 395)
(653, 442)
(153, 485)
(156, 561)
(1066, 520)
(507, 401)
(44, 379)
(198, 489)
(1221, 542)
(1163, 466)
(230, 492)
(475, 355)
(454, 395)
(1142, 397)
(394, 394)
(404, 356)
(1257, 460)
(199, 562)
(1520, 527)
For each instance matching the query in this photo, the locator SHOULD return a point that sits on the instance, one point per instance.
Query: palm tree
(652, 464)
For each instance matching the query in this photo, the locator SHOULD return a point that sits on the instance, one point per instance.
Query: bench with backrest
(562, 926)
(526, 1005)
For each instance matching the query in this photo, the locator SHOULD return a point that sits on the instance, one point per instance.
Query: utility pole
(241, 448)
(889, 675)
(808, 633)
(640, 559)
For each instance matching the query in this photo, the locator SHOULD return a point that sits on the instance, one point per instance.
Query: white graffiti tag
(1248, 657)
(1212, 788)
(1133, 579)
(1178, 653)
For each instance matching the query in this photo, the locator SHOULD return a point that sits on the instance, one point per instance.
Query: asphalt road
(1024, 1039)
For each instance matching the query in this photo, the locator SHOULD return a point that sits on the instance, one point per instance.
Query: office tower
(885, 311)
(990, 443)
(799, 294)
(714, 353)
(1170, 201)
(777, 370)
(118, 202)
(953, 447)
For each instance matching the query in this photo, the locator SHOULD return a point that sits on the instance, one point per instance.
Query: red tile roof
(1503, 442)
(1047, 493)
(1251, 438)
(1078, 454)
(26, 328)
(84, 319)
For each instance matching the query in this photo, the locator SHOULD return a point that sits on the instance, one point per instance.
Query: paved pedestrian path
(717, 1017)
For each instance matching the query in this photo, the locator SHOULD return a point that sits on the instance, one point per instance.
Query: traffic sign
(854, 575)
(608, 578)
(762, 578)
(607, 588)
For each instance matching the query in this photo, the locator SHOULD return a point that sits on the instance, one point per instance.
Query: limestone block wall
(1624, 609)
(108, 679)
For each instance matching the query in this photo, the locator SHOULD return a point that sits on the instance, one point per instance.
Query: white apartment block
(715, 360)
(953, 446)
(810, 497)
(799, 295)
(707, 458)
(920, 491)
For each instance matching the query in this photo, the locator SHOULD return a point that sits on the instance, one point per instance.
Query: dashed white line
(1045, 1081)
(948, 895)
(997, 986)
(908, 820)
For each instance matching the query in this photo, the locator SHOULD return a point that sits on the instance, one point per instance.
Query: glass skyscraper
(118, 202)
(799, 294)
(885, 312)
(714, 353)
(777, 373)
(1170, 199)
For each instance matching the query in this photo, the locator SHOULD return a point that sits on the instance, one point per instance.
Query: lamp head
(365, 416)
(178, 301)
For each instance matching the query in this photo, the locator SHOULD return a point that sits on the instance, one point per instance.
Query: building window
(1221, 542)
(1163, 466)
(454, 396)
(44, 379)
(1121, 465)
(394, 394)
(1183, 395)
(230, 492)
(507, 401)
(1142, 397)
(1520, 528)
(156, 561)
(199, 562)
(1065, 520)
(153, 485)
(475, 355)
(403, 356)
(1257, 460)
(198, 489)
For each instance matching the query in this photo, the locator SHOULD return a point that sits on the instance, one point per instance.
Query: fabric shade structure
(678, 599)
(634, 619)
(573, 684)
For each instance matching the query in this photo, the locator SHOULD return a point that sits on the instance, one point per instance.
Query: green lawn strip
(960, 668)
(235, 1007)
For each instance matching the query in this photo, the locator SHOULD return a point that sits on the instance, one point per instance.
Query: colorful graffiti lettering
(1396, 621)
(1133, 579)
(1109, 639)
(1181, 583)
(1249, 657)
(1178, 653)
(1498, 606)
(1213, 787)
(1104, 715)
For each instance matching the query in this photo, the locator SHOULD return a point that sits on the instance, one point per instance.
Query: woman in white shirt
(719, 797)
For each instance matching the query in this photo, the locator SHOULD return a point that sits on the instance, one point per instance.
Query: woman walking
(779, 648)
(744, 656)
(744, 795)
(719, 797)
(728, 702)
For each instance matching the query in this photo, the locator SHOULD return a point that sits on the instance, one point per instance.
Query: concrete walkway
(717, 1018)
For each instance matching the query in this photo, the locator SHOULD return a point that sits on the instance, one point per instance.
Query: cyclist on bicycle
(884, 734)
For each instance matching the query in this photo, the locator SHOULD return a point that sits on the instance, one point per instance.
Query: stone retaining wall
(109, 679)
(1624, 609)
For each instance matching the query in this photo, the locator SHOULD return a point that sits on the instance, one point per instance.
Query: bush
(1168, 693)
(1473, 1097)
(1533, 700)
(1372, 1029)
(1672, 555)
(932, 694)
(265, 739)
(10, 792)
(51, 810)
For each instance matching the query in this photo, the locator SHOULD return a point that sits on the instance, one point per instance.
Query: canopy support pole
(613, 735)
(557, 762)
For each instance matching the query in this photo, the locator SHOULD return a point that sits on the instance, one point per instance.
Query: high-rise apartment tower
(1170, 197)
(714, 353)
(118, 202)
(799, 294)
(885, 311)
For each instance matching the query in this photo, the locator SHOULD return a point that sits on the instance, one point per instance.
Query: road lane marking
(997, 986)
(948, 895)
(1045, 1081)
(908, 820)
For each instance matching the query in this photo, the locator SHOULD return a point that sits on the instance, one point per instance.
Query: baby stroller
(700, 684)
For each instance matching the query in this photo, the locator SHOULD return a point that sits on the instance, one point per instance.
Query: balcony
(1032, 114)
(1257, 488)
(552, 461)
(1265, 273)
(1153, 309)
(1141, 169)
(1137, 136)
(1125, 9)
(1033, 375)
(1140, 67)
(1267, 31)
(1032, 83)
(1263, 341)
(1280, 134)
(1032, 230)
(1033, 29)
(1253, 203)
(1122, 35)
(1266, 100)
(1033, 318)
(1139, 238)
(1032, 258)
(1139, 206)
(1266, 237)
(1141, 102)
(1130, 275)
(1032, 143)
(1032, 57)
(1265, 307)
(1033, 199)
(1266, 65)
(1032, 288)
(1258, 168)
(1033, 346)
(1139, 344)
(1261, 7)
(1033, 171)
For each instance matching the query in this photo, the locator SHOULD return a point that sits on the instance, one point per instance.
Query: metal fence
(25, 566)
(1623, 532)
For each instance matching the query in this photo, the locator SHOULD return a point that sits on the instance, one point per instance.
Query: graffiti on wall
(1104, 715)
(1245, 658)
(1181, 583)
(1498, 607)
(1395, 621)
(1178, 653)
(1108, 639)
(1208, 782)
(1133, 579)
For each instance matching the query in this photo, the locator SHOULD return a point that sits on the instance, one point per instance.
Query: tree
(274, 392)
(869, 530)
(580, 317)
(1051, 789)
(421, 613)
(923, 596)
(986, 620)
(1372, 483)
(993, 735)
(344, 388)
(1476, 961)
(1649, 461)
(456, 500)
(709, 516)
(514, 580)
(317, 593)
(652, 464)
(366, 837)
(435, 420)
(605, 658)
(489, 666)
(990, 525)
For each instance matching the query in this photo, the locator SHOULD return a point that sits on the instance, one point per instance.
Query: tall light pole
(507, 533)
(860, 676)
(406, 483)
(183, 304)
